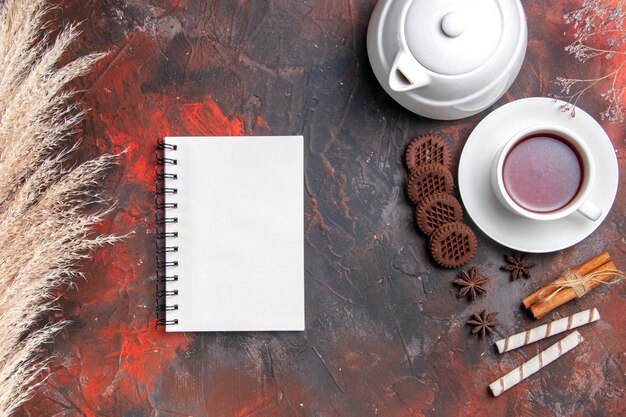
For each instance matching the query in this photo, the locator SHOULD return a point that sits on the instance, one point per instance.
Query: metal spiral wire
(162, 211)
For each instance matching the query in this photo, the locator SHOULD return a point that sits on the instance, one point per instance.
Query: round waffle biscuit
(453, 245)
(429, 179)
(427, 149)
(436, 210)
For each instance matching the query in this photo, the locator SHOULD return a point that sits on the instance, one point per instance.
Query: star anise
(517, 266)
(471, 283)
(483, 323)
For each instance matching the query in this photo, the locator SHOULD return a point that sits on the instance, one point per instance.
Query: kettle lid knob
(453, 24)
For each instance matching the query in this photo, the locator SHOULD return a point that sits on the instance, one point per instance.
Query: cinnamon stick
(540, 309)
(583, 269)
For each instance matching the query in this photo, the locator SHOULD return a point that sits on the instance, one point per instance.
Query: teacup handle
(590, 211)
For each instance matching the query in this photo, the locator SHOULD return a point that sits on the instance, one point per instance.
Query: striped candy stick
(536, 363)
(547, 330)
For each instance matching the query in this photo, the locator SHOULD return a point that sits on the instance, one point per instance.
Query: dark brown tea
(542, 173)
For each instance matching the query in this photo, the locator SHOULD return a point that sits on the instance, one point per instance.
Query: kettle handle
(406, 73)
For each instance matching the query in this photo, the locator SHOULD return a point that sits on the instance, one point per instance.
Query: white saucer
(494, 219)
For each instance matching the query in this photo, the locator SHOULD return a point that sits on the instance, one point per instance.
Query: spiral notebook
(230, 230)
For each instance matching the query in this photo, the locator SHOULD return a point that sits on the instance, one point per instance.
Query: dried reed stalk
(47, 210)
(599, 32)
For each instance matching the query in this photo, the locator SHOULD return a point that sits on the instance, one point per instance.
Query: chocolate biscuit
(453, 245)
(427, 149)
(429, 179)
(436, 210)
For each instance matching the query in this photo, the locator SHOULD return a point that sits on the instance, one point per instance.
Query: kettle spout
(406, 74)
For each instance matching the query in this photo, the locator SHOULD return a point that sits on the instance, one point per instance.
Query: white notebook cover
(240, 233)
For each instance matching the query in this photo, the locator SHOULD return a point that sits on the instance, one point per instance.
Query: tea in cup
(545, 172)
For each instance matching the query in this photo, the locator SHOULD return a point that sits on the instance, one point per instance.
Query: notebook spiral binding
(163, 223)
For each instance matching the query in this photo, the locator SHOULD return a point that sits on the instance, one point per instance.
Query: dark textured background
(385, 331)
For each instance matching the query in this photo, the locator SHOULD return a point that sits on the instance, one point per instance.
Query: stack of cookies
(438, 214)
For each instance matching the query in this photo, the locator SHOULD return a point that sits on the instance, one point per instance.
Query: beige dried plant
(599, 33)
(47, 209)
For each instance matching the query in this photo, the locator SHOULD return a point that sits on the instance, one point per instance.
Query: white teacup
(580, 202)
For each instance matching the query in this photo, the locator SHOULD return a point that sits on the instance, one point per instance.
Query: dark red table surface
(385, 333)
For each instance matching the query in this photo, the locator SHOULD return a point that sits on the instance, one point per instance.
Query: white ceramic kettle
(447, 59)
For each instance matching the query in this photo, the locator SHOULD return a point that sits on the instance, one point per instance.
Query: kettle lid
(453, 37)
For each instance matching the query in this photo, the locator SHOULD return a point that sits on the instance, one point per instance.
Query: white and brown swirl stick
(528, 368)
(547, 330)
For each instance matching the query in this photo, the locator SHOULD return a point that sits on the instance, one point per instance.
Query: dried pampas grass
(46, 209)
